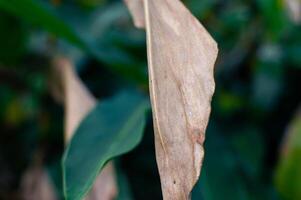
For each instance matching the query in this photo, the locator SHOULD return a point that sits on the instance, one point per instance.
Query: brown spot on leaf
(198, 136)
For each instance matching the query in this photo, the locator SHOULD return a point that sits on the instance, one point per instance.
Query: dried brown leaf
(105, 186)
(181, 58)
(78, 100)
(78, 103)
(136, 9)
(36, 184)
(294, 10)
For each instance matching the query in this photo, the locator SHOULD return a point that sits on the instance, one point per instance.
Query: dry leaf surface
(136, 9)
(294, 10)
(78, 103)
(36, 184)
(181, 57)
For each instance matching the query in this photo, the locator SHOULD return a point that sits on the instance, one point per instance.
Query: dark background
(257, 91)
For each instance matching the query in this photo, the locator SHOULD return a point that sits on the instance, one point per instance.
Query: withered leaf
(294, 10)
(77, 99)
(137, 12)
(181, 58)
(78, 103)
(36, 183)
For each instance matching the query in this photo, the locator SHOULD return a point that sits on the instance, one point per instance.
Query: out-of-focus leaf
(35, 12)
(95, 29)
(288, 174)
(200, 9)
(236, 17)
(268, 76)
(42, 15)
(273, 17)
(293, 53)
(228, 102)
(54, 170)
(294, 10)
(78, 103)
(124, 192)
(221, 177)
(104, 187)
(78, 100)
(113, 128)
(36, 183)
(231, 171)
(12, 40)
(251, 159)
(91, 3)
(136, 9)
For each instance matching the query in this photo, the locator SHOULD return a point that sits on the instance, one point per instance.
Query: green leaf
(48, 18)
(288, 174)
(113, 128)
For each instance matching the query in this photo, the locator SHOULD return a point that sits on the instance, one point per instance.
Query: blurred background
(253, 141)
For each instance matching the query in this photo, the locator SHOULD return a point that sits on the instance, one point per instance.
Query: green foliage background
(257, 95)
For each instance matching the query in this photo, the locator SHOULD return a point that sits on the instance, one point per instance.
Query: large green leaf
(60, 22)
(288, 174)
(113, 128)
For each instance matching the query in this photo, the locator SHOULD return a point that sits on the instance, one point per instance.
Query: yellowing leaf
(181, 58)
